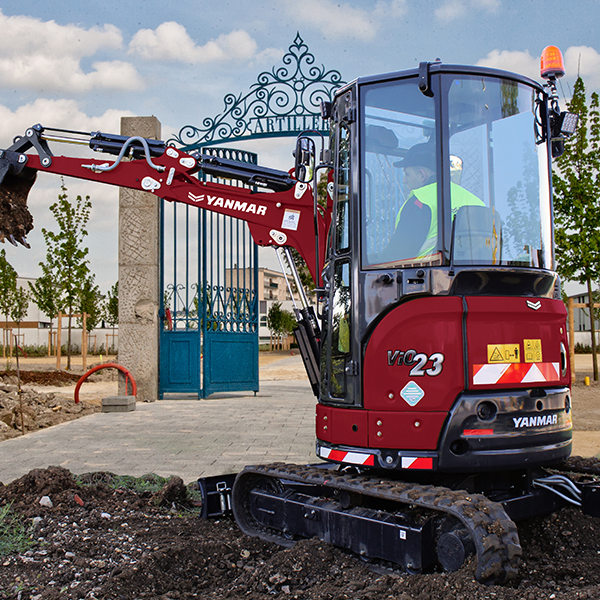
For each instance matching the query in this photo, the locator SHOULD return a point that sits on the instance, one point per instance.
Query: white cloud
(171, 42)
(55, 113)
(341, 20)
(490, 5)
(337, 19)
(578, 59)
(29, 36)
(43, 55)
(450, 10)
(455, 9)
(584, 61)
(392, 9)
(516, 61)
(103, 225)
(64, 74)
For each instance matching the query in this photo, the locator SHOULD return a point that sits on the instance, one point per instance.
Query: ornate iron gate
(209, 307)
(209, 271)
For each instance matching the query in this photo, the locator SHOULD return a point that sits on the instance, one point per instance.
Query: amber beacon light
(552, 63)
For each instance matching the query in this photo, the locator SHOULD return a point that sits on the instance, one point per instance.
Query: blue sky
(83, 65)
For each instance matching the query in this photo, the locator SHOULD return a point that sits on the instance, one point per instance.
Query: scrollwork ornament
(282, 102)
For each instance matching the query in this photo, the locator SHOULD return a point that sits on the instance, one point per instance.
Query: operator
(416, 226)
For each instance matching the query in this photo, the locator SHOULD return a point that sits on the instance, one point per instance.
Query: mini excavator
(438, 349)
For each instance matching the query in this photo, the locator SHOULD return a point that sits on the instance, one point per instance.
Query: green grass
(150, 483)
(146, 483)
(15, 535)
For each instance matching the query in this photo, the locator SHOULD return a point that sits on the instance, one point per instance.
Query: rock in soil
(99, 541)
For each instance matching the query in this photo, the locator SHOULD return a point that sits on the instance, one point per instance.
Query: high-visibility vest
(428, 196)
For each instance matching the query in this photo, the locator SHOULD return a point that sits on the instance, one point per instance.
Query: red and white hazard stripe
(368, 460)
(490, 374)
(478, 432)
(354, 458)
(417, 462)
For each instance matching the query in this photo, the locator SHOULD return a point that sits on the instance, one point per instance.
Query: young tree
(8, 289)
(91, 301)
(577, 202)
(112, 305)
(19, 307)
(280, 322)
(45, 294)
(66, 256)
(111, 309)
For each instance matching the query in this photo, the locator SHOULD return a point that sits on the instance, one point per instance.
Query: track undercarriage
(414, 526)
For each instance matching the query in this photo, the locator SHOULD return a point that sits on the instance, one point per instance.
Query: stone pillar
(139, 275)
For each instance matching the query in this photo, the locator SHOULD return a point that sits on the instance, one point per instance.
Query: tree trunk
(4, 338)
(593, 328)
(69, 343)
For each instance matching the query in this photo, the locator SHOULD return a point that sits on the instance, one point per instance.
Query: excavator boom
(284, 217)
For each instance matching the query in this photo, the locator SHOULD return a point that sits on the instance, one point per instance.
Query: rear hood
(516, 342)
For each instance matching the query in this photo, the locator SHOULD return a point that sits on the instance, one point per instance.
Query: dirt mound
(40, 482)
(100, 539)
(54, 378)
(35, 410)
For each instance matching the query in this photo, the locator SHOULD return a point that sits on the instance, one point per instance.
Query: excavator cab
(442, 331)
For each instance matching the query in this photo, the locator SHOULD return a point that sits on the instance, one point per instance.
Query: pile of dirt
(54, 378)
(91, 540)
(34, 410)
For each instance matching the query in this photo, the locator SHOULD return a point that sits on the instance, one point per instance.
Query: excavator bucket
(15, 219)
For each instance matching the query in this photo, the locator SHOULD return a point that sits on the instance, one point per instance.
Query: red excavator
(438, 351)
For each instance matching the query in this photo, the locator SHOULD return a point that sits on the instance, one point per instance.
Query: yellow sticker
(533, 350)
(503, 353)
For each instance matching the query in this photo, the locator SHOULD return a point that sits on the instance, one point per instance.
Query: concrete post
(139, 275)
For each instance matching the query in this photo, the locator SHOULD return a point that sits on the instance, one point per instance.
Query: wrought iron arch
(282, 103)
(209, 263)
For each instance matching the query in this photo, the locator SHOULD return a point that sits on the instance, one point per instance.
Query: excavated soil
(25, 409)
(95, 541)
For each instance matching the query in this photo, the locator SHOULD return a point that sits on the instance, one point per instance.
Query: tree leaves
(67, 265)
(577, 200)
(576, 194)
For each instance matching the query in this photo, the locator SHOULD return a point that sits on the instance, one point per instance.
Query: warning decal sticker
(503, 353)
(533, 351)
(291, 218)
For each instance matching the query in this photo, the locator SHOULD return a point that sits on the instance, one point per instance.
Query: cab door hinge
(352, 368)
(350, 115)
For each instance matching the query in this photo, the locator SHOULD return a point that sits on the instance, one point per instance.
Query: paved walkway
(189, 438)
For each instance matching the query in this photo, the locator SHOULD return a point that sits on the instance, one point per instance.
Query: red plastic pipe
(128, 377)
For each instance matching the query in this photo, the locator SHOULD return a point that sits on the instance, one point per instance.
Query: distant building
(36, 328)
(272, 287)
(582, 322)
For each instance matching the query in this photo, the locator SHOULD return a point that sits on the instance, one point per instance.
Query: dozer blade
(15, 182)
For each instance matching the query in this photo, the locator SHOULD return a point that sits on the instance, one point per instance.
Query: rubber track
(494, 534)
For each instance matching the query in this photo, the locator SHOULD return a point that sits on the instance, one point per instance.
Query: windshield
(482, 172)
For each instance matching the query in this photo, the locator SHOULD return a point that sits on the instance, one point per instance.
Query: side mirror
(305, 159)
(326, 110)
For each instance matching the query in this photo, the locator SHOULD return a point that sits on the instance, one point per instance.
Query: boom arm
(281, 218)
